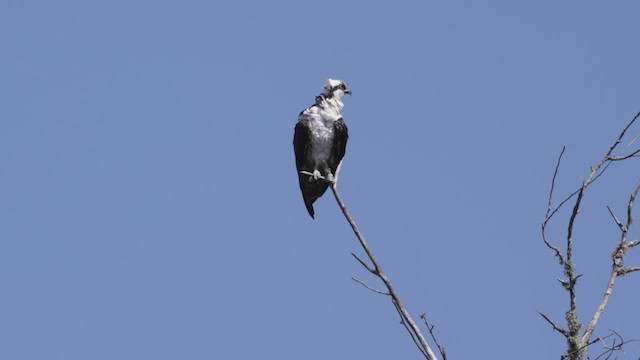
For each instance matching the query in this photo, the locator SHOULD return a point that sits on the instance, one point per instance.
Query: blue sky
(150, 206)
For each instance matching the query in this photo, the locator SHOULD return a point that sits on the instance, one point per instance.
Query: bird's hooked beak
(347, 91)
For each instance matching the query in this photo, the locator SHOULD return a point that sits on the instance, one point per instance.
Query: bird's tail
(309, 204)
(311, 191)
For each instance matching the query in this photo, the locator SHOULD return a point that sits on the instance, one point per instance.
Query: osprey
(319, 142)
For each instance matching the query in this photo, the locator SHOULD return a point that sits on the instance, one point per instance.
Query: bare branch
(624, 157)
(624, 131)
(617, 269)
(557, 208)
(364, 264)
(632, 200)
(595, 174)
(369, 287)
(550, 214)
(603, 304)
(562, 331)
(407, 320)
(557, 254)
(632, 141)
(627, 270)
(617, 344)
(615, 218)
(430, 327)
(553, 182)
(572, 219)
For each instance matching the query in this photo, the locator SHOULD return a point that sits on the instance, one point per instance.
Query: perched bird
(319, 142)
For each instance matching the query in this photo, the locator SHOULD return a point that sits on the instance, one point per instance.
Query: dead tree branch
(617, 266)
(550, 213)
(368, 287)
(557, 328)
(616, 345)
(376, 269)
(578, 343)
(430, 327)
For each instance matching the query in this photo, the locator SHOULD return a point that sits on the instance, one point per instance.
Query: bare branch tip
(366, 266)
(555, 327)
(369, 287)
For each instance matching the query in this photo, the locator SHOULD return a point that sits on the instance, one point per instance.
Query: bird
(320, 141)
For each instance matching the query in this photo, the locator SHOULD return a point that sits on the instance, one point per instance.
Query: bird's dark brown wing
(311, 190)
(341, 134)
(301, 145)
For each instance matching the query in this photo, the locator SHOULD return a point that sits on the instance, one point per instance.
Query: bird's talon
(330, 178)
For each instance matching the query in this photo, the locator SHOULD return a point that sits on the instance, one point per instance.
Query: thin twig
(614, 347)
(632, 141)
(368, 287)
(632, 200)
(557, 208)
(624, 131)
(553, 182)
(363, 263)
(555, 327)
(570, 196)
(430, 327)
(550, 214)
(615, 218)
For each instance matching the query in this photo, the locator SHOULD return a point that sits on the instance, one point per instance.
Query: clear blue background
(149, 206)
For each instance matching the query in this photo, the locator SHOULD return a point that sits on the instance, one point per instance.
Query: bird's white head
(338, 87)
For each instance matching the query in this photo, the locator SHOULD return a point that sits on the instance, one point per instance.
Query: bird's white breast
(322, 135)
(321, 118)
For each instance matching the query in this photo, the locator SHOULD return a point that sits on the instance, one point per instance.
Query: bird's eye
(343, 86)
